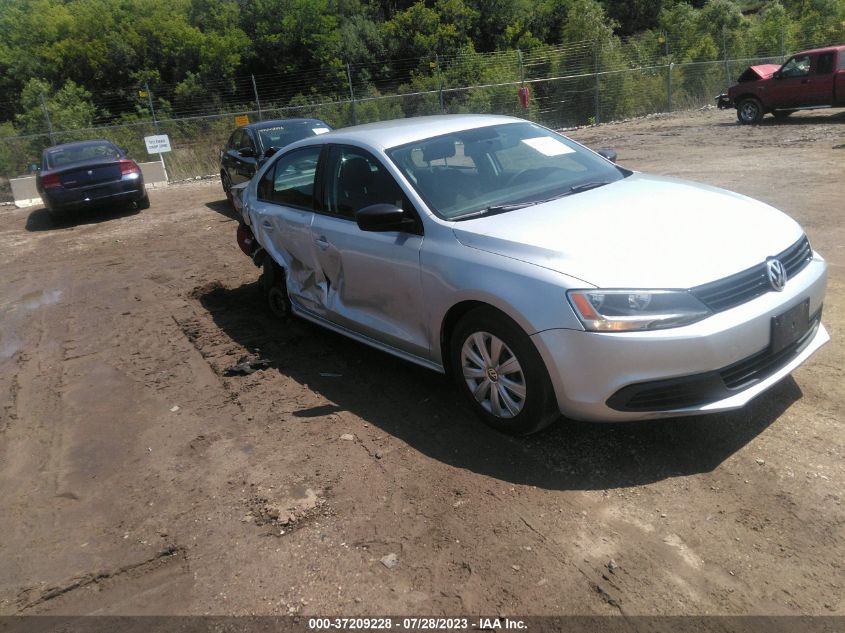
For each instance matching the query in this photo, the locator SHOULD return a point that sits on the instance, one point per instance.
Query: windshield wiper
(495, 210)
(586, 186)
(504, 208)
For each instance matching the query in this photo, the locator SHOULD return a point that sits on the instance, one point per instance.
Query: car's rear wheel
(749, 111)
(275, 291)
(501, 374)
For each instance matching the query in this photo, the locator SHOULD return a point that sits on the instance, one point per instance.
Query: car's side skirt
(366, 340)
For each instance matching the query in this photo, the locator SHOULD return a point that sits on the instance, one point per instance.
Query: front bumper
(723, 102)
(588, 369)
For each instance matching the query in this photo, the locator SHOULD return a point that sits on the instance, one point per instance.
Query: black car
(251, 144)
(79, 175)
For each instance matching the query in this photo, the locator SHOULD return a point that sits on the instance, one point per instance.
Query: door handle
(267, 226)
(805, 81)
(322, 242)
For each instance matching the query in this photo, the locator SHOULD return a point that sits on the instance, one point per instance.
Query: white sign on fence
(157, 143)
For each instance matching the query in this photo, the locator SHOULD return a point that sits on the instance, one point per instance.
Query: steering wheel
(529, 175)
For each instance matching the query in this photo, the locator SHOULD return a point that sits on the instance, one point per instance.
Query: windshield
(70, 154)
(282, 135)
(499, 168)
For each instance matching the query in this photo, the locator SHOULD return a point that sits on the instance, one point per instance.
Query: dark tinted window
(356, 180)
(290, 180)
(824, 65)
(60, 156)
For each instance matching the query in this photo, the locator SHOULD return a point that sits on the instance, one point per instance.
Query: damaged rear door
(371, 280)
(281, 220)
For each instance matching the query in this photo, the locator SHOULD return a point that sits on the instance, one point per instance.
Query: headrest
(355, 170)
(441, 148)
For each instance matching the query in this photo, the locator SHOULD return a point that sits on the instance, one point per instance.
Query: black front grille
(698, 389)
(751, 283)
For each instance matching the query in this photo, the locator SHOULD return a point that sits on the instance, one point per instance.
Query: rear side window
(824, 65)
(290, 181)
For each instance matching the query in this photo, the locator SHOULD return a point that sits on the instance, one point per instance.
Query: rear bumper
(723, 102)
(125, 190)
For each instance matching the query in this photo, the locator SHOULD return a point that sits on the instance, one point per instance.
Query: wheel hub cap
(493, 375)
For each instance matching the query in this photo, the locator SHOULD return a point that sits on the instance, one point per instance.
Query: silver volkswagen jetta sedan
(543, 277)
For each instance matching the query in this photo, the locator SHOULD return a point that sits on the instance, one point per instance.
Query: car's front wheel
(749, 111)
(227, 186)
(501, 373)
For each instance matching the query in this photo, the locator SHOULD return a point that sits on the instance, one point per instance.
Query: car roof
(261, 125)
(386, 134)
(78, 144)
(823, 49)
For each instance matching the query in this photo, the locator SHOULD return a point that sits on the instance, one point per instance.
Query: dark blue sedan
(79, 175)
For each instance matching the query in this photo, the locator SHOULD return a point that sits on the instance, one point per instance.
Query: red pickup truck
(810, 79)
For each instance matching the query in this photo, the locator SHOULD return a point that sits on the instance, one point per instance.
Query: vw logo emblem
(90, 172)
(776, 274)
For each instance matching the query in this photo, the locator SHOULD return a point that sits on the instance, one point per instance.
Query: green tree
(69, 107)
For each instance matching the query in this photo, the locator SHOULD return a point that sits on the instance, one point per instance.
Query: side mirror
(383, 217)
(609, 154)
(267, 155)
(246, 152)
(777, 74)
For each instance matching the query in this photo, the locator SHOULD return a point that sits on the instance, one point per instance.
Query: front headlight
(633, 310)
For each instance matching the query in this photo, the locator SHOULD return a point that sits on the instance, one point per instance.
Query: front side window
(355, 179)
(499, 168)
(796, 67)
(290, 180)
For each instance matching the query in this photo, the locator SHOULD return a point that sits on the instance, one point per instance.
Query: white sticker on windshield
(548, 146)
(320, 130)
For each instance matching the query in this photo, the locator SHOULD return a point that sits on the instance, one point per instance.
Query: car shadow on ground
(422, 408)
(40, 220)
(808, 117)
(223, 208)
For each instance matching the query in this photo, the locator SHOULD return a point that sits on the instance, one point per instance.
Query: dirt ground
(137, 479)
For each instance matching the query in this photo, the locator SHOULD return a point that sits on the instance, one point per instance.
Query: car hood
(755, 73)
(640, 232)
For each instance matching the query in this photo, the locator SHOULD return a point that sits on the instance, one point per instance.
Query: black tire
(749, 111)
(144, 203)
(275, 290)
(537, 408)
(227, 187)
(782, 114)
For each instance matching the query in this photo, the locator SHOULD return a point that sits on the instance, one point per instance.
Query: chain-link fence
(558, 87)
